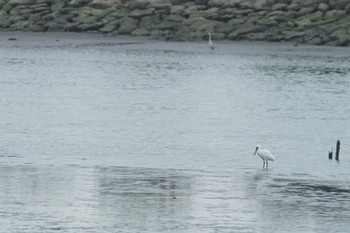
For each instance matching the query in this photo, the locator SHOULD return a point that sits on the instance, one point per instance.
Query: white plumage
(210, 42)
(265, 155)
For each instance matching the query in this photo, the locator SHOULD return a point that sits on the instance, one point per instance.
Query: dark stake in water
(102, 134)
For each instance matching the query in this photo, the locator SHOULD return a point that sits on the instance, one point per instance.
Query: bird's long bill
(255, 151)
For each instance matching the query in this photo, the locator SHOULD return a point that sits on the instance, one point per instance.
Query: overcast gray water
(102, 134)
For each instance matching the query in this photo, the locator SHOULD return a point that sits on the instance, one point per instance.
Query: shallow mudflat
(103, 134)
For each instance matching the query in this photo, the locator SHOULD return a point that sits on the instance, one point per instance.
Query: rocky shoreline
(302, 21)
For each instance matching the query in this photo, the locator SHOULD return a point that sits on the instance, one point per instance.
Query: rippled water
(102, 134)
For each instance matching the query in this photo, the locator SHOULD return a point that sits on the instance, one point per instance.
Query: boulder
(19, 2)
(53, 26)
(205, 13)
(177, 10)
(338, 4)
(306, 10)
(279, 7)
(258, 36)
(78, 3)
(7, 8)
(4, 22)
(167, 25)
(127, 25)
(104, 4)
(334, 14)
(293, 7)
(174, 18)
(224, 3)
(160, 5)
(347, 9)
(262, 5)
(141, 32)
(3, 13)
(245, 29)
(136, 5)
(57, 6)
(141, 13)
(323, 7)
(202, 2)
(110, 26)
(179, 2)
(150, 22)
(292, 35)
(308, 3)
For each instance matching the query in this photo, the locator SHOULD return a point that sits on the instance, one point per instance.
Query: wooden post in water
(337, 150)
(330, 154)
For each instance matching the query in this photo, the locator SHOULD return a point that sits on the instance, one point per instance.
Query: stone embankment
(302, 21)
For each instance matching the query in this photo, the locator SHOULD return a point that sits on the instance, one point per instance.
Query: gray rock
(205, 13)
(179, 2)
(279, 7)
(4, 22)
(258, 36)
(291, 35)
(323, 7)
(174, 18)
(104, 4)
(127, 25)
(222, 3)
(160, 5)
(308, 3)
(268, 22)
(347, 9)
(141, 13)
(177, 9)
(53, 26)
(3, 13)
(193, 10)
(150, 22)
(57, 6)
(314, 41)
(334, 13)
(16, 18)
(141, 32)
(19, 25)
(19, 2)
(245, 29)
(338, 4)
(117, 14)
(226, 28)
(167, 25)
(136, 5)
(306, 10)
(78, 3)
(202, 2)
(276, 37)
(285, 1)
(294, 7)
(246, 5)
(110, 26)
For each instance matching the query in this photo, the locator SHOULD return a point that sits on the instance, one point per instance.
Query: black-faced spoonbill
(210, 43)
(265, 155)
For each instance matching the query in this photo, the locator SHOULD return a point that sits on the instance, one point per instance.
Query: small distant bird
(265, 155)
(210, 42)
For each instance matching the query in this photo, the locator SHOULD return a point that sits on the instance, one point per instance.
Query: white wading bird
(265, 155)
(210, 43)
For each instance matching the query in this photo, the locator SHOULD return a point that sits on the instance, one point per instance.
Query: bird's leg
(263, 163)
(267, 164)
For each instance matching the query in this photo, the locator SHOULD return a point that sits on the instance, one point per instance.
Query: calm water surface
(102, 134)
